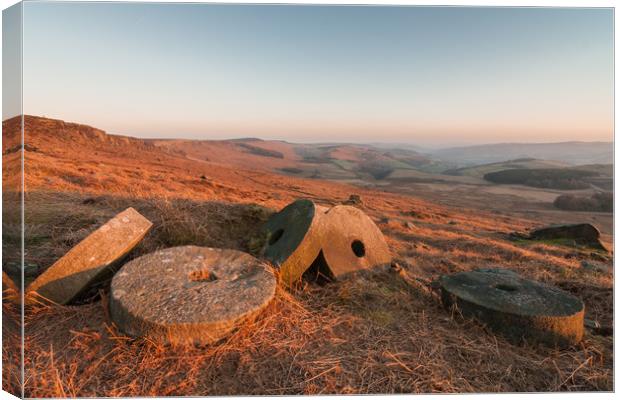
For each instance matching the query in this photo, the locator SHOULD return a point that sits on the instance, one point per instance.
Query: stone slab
(293, 239)
(517, 308)
(95, 257)
(352, 241)
(189, 294)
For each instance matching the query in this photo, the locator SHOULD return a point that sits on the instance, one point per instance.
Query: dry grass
(380, 332)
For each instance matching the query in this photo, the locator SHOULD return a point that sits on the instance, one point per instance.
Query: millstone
(352, 241)
(189, 294)
(93, 259)
(293, 239)
(515, 307)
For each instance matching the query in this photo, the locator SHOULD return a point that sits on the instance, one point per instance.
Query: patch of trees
(291, 170)
(259, 151)
(376, 170)
(603, 201)
(551, 178)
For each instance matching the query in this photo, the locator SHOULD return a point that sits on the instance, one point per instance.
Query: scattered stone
(189, 294)
(588, 323)
(13, 267)
(595, 266)
(352, 241)
(92, 200)
(293, 238)
(516, 236)
(418, 214)
(354, 200)
(31, 269)
(599, 257)
(517, 308)
(597, 329)
(583, 234)
(91, 260)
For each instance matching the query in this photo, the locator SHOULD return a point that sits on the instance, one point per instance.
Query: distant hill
(521, 163)
(574, 153)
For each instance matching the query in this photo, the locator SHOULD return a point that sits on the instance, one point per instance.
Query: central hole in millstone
(275, 236)
(506, 288)
(202, 275)
(358, 248)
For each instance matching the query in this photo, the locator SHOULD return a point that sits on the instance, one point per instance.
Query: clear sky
(430, 76)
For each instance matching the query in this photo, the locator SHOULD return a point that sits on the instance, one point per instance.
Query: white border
(480, 3)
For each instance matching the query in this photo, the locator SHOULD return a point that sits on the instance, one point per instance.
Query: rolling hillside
(573, 153)
(380, 332)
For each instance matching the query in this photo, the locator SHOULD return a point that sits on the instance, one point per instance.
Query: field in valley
(382, 331)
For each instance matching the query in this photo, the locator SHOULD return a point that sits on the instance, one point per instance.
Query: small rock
(31, 269)
(595, 266)
(354, 200)
(409, 225)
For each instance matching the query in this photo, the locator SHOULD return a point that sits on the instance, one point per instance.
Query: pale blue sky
(323, 73)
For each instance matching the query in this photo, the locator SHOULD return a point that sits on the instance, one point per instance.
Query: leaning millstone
(293, 239)
(92, 260)
(584, 234)
(352, 241)
(519, 309)
(189, 294)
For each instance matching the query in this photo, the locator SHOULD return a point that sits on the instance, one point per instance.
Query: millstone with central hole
(293, 239)
(352, 241)
(519, 309)
(189, 294)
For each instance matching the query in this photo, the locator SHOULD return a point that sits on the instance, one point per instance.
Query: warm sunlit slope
(382, 332)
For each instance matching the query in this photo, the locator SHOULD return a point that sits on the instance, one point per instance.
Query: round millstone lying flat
(293, 239)
(189, 294)
(518, 308)
(352, 241)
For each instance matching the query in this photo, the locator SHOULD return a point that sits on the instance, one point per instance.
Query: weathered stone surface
(352, 241)
(91, 260)
(293, 239)
(517, 308)
(189, 294)
(584, 234)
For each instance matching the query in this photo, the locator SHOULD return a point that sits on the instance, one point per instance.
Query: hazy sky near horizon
(424, 75)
